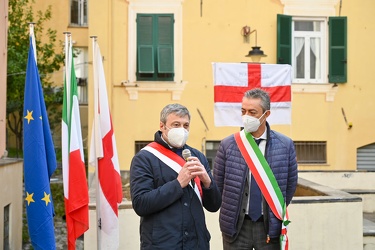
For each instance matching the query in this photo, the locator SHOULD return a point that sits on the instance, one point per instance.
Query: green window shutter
(165, 44)
(337, 49)
(146, 59)
(165, 59)
(145, 55)
(284, 39)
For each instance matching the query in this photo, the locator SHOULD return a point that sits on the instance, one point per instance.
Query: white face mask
(177, 137)
(251, 123)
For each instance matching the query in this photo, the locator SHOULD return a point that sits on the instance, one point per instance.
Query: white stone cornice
(174, 88)
(310, 7)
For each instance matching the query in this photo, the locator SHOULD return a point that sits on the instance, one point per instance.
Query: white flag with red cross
(232, 80)
(103, 155)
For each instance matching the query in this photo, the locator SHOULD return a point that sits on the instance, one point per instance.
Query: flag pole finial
(31, 27)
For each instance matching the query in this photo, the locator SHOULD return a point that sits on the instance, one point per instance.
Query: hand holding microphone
(184, 176)
(196, 168)
(186, 154)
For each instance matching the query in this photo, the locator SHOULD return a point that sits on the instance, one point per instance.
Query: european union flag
(39, 159)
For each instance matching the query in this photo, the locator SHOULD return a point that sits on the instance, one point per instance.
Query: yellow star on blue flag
(46, 198)
(29, 198)
(29, 116)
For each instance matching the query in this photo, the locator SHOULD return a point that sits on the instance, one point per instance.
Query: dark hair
(174, 108)
(259, 94)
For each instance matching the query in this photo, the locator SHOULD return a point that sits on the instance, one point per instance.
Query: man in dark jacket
(169, 189)
(249, 218)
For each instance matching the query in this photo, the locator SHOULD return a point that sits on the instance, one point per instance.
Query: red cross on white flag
(232, 80)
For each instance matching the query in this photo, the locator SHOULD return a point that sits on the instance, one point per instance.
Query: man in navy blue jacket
(169, 192)
(246, 219)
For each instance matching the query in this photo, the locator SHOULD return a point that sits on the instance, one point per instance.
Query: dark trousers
(252, 236)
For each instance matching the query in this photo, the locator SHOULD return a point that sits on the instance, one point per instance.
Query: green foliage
(13, 153)
(57, 191)
(58, 152)
(25, 229)
(20, 15)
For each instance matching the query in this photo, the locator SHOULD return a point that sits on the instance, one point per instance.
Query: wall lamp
(256, 53)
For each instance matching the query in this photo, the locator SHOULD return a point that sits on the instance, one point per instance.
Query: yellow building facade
(332, 123)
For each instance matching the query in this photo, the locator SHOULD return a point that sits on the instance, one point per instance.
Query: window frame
(304, 148)
(322, 34)
(82, 15)
(210, 150)
(337, 62)
(152, 69)
(366, 157)
(138, 145)
(81, 70)
(175, 87)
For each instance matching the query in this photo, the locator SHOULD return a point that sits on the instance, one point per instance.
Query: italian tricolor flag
(74, 172)
(232, 80)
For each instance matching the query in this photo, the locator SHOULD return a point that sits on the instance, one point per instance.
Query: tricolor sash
(265, 179)
(174, 161)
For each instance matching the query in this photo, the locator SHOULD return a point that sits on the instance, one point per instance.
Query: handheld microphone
(186, 154)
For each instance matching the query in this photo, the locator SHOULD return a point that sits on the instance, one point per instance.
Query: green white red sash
(265, 179)
(174, 161)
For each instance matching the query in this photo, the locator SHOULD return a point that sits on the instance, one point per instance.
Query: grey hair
(174, 108)
(259, 94)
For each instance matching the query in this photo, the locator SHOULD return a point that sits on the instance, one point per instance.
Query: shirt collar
(263, 136)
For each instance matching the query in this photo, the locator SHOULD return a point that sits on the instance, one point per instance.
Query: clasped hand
(192, 168)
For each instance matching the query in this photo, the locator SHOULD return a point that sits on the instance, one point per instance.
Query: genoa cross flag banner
(76, 195)
(39, 158)
(103, 155)
(232, 80)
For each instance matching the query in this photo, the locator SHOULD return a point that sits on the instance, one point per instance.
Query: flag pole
(68, 39)
(66, 34)
(65, 139)
(96, 139)
(31, 28)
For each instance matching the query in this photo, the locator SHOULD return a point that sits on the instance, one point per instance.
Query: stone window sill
(173, 87)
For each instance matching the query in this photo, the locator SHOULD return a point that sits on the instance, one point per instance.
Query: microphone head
(186, 154)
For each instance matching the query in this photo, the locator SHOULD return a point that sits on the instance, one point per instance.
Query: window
(211, 149)
(311, 152)
(155, 47)
(303, 42)
(366, 157)
(139, 145)
(81, 69)
(78, 12)
(6, 241)
(170, 81)
(308, 48)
